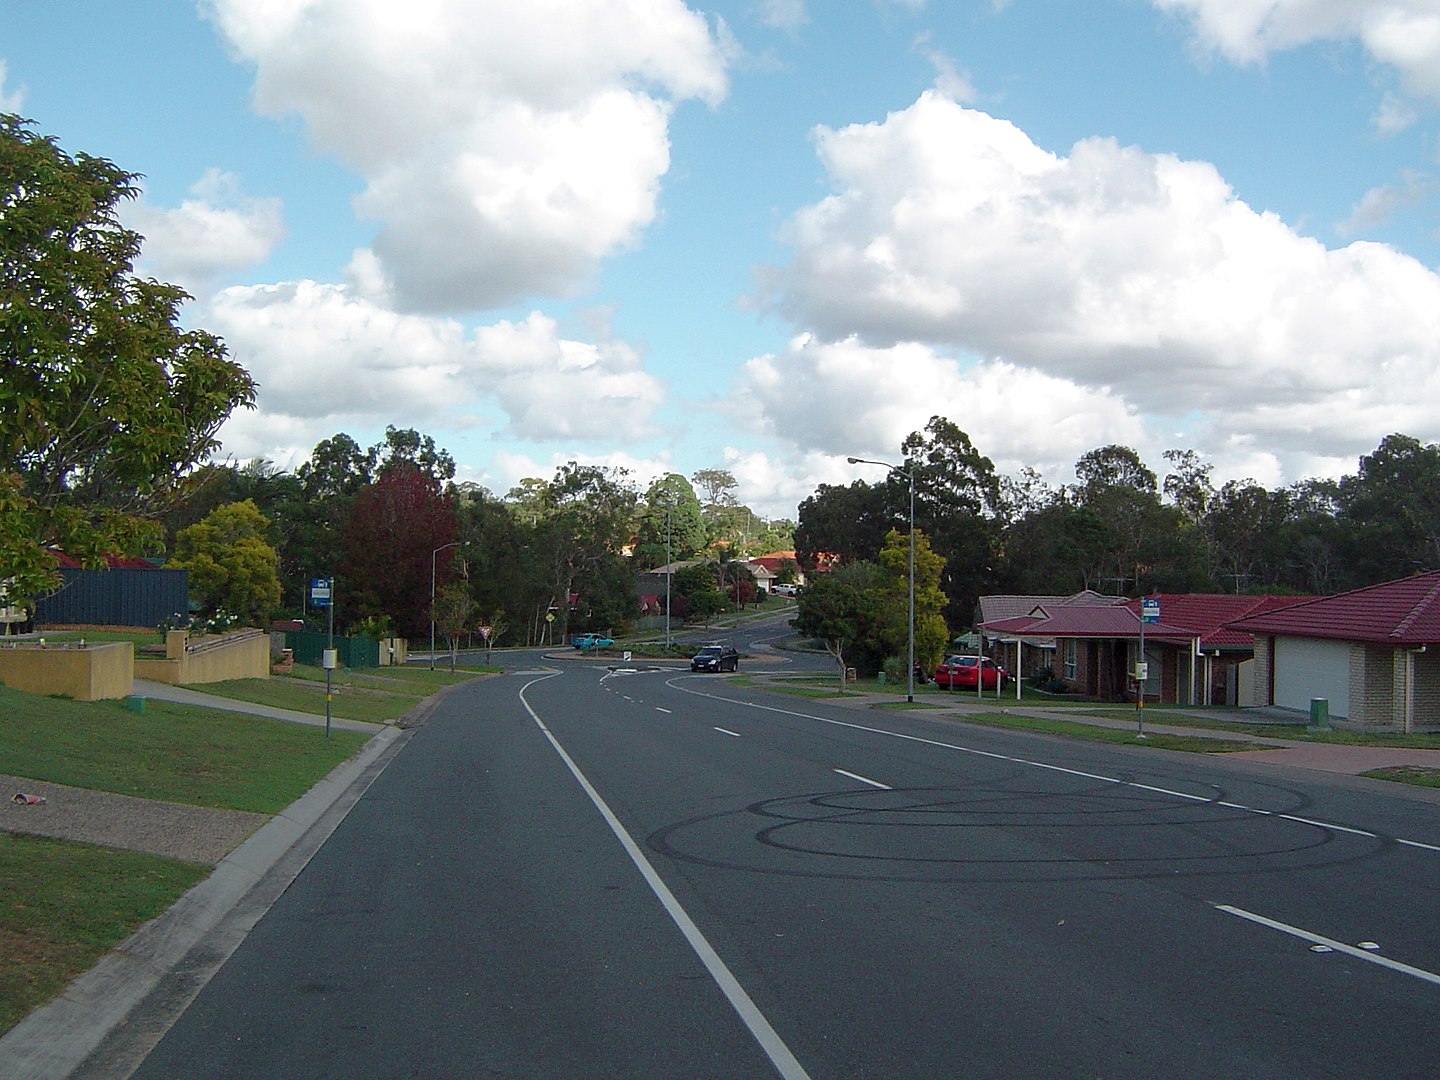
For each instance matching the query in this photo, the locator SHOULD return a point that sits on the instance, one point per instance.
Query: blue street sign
(1149, 610)
(320, 592)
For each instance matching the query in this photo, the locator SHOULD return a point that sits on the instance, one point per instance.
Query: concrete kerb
(181, 946)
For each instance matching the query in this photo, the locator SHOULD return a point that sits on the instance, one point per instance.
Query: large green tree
(107, 403)
(232, 565)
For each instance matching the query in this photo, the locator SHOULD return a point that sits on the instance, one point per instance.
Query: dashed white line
(865, 780)
(1169, 792)
(727, 731)
(659, 709)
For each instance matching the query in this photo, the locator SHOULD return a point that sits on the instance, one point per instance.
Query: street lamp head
(853, 460)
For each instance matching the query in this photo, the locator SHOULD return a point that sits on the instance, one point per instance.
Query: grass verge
(1406, 774)
(376, 695)
(66, 905)
(173, 752)
(1194, 744)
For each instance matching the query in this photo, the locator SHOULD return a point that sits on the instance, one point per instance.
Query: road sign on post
(1149, 613)
(320, 588)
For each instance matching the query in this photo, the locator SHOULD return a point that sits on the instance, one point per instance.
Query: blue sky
(766, 235)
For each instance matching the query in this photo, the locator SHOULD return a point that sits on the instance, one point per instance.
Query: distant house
(1372, 654)
(1193, 655)
(774, 563)
(1039, 651)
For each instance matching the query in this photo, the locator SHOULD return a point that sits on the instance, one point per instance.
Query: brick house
(1193, 655)
(1372, 654)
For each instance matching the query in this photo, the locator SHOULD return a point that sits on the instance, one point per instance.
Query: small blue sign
(320, 592)
(1149, 610)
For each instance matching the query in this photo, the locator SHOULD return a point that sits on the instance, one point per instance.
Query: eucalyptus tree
(107, 403)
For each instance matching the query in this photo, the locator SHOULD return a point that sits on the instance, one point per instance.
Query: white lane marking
(865, 780)
(1338, 946)
(1417, 843)
(727, 731)
(659, 709)
(786, 1064)
(1054, 768)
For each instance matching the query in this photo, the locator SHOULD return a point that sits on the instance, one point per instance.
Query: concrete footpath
(177, 952)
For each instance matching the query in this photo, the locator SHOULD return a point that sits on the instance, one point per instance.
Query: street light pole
(669, 506)
(442, 547)
(910, 658)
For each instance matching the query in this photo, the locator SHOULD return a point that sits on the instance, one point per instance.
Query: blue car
(591, 641)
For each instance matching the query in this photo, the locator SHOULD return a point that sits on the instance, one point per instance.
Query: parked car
(961, 673)
(716, 657)
(787, 590)
(591, 641)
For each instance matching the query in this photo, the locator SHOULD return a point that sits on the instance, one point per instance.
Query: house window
(1070, 658)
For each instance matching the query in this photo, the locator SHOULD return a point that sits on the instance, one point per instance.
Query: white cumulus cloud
(216, 231)
(328, 359)
(1404, 34)
(506, 147)
(1140, 277)
(847, 398)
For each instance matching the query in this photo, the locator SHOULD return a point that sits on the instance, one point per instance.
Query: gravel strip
(192, 833)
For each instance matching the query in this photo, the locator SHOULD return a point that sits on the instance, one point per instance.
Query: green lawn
(66, 905)
(174, 752)
(378, 695)
(1095, 733)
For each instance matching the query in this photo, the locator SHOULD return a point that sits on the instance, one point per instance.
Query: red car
(961, 672)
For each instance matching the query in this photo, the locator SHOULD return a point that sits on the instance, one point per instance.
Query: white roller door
(1306, 668)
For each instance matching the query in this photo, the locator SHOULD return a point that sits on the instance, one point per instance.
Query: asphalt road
(572, 871)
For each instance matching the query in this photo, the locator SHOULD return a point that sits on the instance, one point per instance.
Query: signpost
(1149, 613)
(321, 593)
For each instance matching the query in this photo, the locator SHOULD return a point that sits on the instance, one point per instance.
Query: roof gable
(1402, 613)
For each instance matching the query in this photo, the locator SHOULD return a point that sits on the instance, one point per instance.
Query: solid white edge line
(1338, 946)
(865, 780)
(779, 1054)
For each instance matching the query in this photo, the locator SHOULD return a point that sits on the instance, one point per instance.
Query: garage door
(1306, 669)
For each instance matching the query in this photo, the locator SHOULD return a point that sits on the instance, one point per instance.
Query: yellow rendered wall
(85, 673)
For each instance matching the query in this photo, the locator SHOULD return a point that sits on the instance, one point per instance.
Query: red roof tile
(1403, 612)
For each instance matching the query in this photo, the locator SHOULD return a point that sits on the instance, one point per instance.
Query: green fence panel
(351, 652)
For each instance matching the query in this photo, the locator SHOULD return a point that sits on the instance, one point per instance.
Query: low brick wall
(83, 672)
(244, 654)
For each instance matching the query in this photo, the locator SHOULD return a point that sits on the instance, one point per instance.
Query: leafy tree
(844, 609)
(232, 565)
(406, 446)
(671, 522)
(847, 522)
(958, 503)
(106, 404)
(717, 486)
(931, 633)
(389, 547)
(584, 515)
(453, 610)
(1391, 508)
(703, 605)
(337, 468)
(1189, 485)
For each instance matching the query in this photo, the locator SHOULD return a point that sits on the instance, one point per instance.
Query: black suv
(716, 657)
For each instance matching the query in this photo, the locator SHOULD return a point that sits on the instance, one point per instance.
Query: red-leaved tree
(391, 541)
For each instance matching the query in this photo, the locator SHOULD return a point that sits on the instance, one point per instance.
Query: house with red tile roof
(1372, 654)
(1192, 654)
